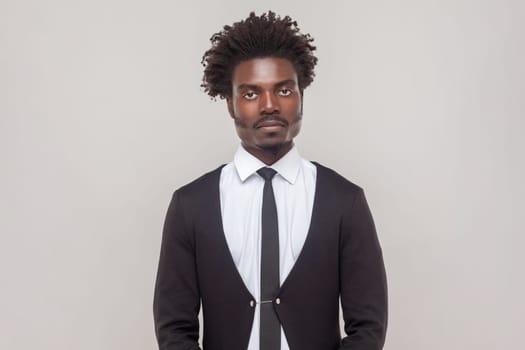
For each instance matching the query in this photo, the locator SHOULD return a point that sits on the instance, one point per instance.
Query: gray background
(419, 102)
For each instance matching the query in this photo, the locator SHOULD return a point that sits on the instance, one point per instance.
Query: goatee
(273, 149)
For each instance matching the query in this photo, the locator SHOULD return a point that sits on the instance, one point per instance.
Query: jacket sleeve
(176, 300)
(363, 279)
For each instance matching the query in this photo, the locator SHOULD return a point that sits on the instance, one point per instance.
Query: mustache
(272, 117)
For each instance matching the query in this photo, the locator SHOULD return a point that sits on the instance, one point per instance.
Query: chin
(273, 147)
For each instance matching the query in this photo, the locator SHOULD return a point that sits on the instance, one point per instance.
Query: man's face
(266, 103)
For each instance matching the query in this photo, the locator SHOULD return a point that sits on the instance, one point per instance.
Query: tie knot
(266, 173)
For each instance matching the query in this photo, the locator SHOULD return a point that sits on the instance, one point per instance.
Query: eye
(285, 92)
(250, 95)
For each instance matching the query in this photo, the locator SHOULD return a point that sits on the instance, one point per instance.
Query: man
(269, 243)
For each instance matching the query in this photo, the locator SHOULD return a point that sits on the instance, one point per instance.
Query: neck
(269, 155)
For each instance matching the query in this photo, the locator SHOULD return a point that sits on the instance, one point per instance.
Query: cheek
(292, 107)
(294, 130)
(244, 109)
(245, 116)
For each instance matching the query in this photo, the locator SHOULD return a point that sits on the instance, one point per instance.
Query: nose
(269, 103)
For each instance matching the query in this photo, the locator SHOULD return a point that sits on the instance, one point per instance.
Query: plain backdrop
(102, 117)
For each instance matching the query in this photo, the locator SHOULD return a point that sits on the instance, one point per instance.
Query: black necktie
(270, 336)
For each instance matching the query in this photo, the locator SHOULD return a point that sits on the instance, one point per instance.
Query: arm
(176, 301)
(363, 279)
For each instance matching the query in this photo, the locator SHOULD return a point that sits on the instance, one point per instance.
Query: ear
(229, 103)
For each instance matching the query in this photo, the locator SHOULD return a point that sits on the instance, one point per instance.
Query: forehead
(263, 71)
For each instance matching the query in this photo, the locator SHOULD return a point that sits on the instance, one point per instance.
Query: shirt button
(278, 301)
(252, 303)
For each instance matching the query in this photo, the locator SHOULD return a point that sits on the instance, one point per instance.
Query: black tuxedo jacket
(341, 260)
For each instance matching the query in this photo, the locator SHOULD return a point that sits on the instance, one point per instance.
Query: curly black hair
(267, 35)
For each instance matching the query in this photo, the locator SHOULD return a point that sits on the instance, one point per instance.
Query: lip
(271, 128)
(270, 125)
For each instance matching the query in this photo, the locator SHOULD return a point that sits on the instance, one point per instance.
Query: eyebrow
(256, 87)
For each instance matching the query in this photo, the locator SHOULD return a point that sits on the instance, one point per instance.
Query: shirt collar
(247, 164)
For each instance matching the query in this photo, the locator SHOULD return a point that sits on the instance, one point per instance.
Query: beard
(273, 149)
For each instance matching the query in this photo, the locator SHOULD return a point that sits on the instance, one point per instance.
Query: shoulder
(203, 186)
(341, 194)
(337, 186)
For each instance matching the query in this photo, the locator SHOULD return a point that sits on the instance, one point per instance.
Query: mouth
(271, 128)
(270, 125)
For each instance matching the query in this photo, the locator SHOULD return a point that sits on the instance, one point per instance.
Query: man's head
(261, 66)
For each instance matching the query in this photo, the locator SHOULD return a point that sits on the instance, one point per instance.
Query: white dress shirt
(241, 193)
